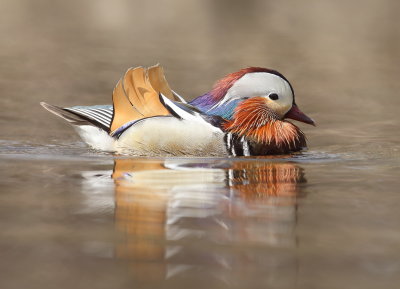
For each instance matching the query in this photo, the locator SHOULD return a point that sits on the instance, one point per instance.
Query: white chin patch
(280, 108)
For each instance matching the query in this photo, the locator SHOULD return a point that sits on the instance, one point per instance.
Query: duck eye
(273, 96)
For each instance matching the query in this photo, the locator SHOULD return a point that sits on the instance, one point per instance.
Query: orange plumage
(255, 121)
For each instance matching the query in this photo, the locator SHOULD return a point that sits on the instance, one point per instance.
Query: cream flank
(169, 136)
(166, 136)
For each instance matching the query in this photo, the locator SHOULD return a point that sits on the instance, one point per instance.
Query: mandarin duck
(243, 115)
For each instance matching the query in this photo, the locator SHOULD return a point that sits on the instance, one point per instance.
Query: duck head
(255, 103)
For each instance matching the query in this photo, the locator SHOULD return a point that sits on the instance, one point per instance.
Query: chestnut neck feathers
(264, 131)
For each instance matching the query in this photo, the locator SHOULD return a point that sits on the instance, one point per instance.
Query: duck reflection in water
(222, 220)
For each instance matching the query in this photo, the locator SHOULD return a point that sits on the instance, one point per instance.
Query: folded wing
(136, 96)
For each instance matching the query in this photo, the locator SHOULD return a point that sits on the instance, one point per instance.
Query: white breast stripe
(233, 150)
(228, 140)
(246, 150)
(231, 145)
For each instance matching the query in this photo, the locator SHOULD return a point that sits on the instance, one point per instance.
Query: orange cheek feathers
(254, 120)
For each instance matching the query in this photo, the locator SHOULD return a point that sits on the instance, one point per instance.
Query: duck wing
(140, 94)
(137, 96)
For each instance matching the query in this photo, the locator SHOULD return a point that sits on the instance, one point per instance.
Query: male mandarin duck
(243, 115)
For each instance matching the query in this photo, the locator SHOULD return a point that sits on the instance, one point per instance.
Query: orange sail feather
(136, 95)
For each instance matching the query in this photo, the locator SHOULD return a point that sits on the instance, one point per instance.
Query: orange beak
(296, 114)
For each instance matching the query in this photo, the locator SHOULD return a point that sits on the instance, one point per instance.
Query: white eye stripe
(261, 84)
(258, 83)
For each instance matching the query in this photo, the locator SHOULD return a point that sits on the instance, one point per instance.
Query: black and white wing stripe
(100, 115)
(186, 111)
